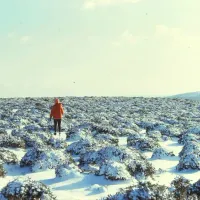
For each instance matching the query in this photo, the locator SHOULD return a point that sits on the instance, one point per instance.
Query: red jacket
(57, 111)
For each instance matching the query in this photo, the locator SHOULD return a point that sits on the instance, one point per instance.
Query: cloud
(165, 31)
(127, 38)
(24, 39)
(11, 35)
(91, 4)
(176, 35)
(116, 43)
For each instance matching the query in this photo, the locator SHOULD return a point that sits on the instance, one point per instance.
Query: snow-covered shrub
(96, 189)
(17, 133)
(90, 168)
(126, 128)
(176, 130)
(68, 171)
(97, 118)
(165, 138)
(119, 196)
(143, 191)
(183, 190)
(185, 138)
(127, 132)
(78, 132)
(155, 135)
(155, 126)
(194, 130)
(114, 171)
(109, 153)
(135, 162)
(140, 168)
(27, 189)
(81, 134)
(7, 156)
(189, 161)
(160, 171)
(169, 121)
(149, 126)
(163, 129)
(101, 129)
(42, 109)
(2, 197)
(193, 197)
(135, 127)
(160, 153)
(3, 131)
(57, 143)
(83, 145)
(44, 136)
(180, 187)
(44, 158)
(135, 135)
(11, 141)
(106, 138)
(195, 189)
(32, 128)
(143, 144)
(32, 140)
(190, 147)
(2, 170)
(148, 191)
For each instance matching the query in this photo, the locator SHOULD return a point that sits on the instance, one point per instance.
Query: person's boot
(54, 133)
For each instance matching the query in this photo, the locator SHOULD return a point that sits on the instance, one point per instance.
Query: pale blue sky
(107, 47)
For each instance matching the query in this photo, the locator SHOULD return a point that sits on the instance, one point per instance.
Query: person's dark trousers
(57, 122)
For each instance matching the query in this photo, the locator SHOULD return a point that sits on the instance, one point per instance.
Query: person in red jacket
(57, 113)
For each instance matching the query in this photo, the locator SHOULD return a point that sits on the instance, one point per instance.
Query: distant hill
(190, 95)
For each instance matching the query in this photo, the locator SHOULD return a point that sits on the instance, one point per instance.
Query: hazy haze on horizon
(99, 47)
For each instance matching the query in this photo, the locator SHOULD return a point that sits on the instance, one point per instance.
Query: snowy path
(169, 164)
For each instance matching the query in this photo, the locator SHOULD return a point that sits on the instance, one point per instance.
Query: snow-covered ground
(169, 164)
(80, 187)
(117, 122)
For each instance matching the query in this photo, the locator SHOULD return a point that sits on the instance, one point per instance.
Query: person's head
(57, 100)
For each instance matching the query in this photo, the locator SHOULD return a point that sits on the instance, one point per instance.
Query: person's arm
(62, 110)
(51, 114)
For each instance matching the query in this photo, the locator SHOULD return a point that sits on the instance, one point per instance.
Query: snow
(18, 151)
(110, 169)
(75, 186)
(137, 116)
(122, 141)
(95, 189)
(89, 186)
(169, 164)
